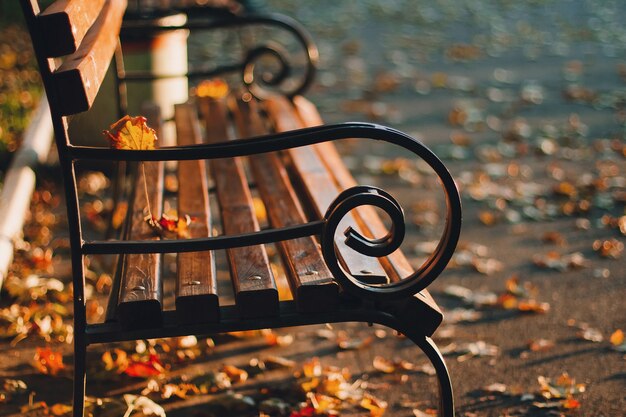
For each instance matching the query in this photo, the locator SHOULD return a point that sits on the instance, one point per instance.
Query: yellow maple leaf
(131, 133)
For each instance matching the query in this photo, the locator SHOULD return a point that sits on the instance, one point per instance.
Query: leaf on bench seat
(215, 88)
(133, 133)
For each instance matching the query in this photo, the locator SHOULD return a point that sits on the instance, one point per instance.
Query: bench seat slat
(82, 73)
(321, 190)
(422, 306)
(310, 280)
(65, 23)
(255, 289)
(196, 284)
(140, 303)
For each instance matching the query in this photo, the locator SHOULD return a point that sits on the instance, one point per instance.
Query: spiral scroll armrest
(373, 196)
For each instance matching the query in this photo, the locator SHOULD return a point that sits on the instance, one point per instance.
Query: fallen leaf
(346, 343)
(278, 362)
(60, 410)
(384, 365)
(235, 374)
(469, 350)
(618, 341)
(591, 334)
(48, 362)
(564, 387)
(145, 368)
(168, 225)
(215, 88)
(375, 406)
(609, 248)
(496, 387)
(142, 404)
(131, 133)
(540, 345)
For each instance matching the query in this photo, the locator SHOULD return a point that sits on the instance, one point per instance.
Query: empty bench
(340, 260)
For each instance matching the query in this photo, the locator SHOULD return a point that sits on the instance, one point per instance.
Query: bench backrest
(74, 42)
(83, 35)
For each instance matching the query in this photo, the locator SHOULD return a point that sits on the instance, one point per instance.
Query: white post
(19, 182)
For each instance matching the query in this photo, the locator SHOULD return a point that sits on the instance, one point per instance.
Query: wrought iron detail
(373, 196)
(259, 86)
(358, 196)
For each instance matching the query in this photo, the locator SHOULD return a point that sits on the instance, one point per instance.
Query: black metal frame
(377, 296)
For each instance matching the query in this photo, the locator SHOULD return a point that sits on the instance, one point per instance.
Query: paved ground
(498, 88)
(525, 103)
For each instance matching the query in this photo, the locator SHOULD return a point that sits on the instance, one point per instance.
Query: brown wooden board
(310, 280)
(256, 294)
(422, 306)
(196, 285)
(79, 78)
(64, 24)
(141, 290)
(321, 190)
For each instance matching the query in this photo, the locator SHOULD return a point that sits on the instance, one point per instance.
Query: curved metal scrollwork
(420, 279)
(277, 80)
(286, 78)
(360, 196)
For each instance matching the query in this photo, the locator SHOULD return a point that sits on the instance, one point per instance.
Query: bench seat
(295, 186)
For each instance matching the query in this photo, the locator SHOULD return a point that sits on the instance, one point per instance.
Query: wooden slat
(421, 306)
(141, 290)
(80, 76)
(196, 284)
(65, 22)
(256, 294)
(310, 280)
(321, 189)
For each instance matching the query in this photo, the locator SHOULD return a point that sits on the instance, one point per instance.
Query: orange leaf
(235, 374)
(48, 362)
(571, 404)
(617, 337)
(131, 133)
(168, 224)
(60, 410)
(215, 88)
(384, 365)
(375, 406)
(151, 367)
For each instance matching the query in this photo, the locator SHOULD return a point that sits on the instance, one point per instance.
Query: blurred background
(526, 104)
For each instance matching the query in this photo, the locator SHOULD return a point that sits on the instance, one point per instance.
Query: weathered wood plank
(321, 190)
(421, 306)
(255, 289)
(196, 285)
(310, 280)
(65, 22)
(141, 289)
(79, 78)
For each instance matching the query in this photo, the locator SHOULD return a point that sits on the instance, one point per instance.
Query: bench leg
(446, 398)
(80, 364)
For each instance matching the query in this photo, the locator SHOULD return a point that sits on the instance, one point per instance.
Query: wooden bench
(230, 149)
